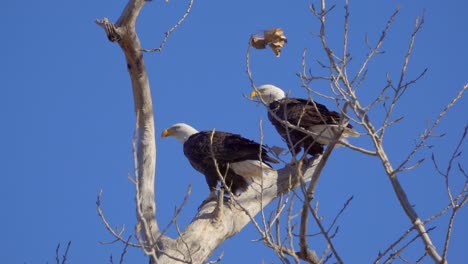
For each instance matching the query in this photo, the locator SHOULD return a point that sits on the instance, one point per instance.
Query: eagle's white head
(268, 93)
(179, 131)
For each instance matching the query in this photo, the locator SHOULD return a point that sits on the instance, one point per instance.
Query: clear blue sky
(67, 114)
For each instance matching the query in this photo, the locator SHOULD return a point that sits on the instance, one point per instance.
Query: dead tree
(199, 239)
(345, 88)
(203, 235)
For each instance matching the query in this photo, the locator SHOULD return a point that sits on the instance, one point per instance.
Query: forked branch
(123, 32)
(199, 239)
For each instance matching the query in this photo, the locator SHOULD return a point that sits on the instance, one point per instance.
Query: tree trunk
(203, 235)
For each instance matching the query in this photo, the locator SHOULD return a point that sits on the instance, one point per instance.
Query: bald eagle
(239, 160)
(306, 114)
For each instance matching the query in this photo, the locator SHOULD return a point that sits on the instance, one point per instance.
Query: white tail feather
(251, 169)
(326, 133)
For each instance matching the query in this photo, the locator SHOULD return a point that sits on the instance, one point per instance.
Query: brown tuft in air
(274, 38)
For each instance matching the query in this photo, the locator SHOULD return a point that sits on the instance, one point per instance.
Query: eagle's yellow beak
(166, 133)
(253, 94)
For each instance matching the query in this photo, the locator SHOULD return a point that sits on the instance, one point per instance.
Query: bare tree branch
(65, 254)
(202, 236)
(123, 32)
(429, 132)
(117, 235)
(401, 88)
(375, 50)
(347, 91)
(393, 245)
(170, 31)
(124, 251)
(398, 252)
(347, 203)
(455, 203)
(191, 242)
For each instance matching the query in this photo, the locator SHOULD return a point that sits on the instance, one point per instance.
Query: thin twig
(177, 211)
(393, 245)
(170, 31)
(187, 247)
(375, 50)
(217, 260)
(401, 88)
(57, 258)
(428, 133)
(65, 254)
(118, 236)
(404, 247)
(324, 233)
(346, 204)
(124, 251)
(345, 38)
(454, 202)
(309, 194)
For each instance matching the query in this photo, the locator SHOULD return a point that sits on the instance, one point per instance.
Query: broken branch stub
(274, 38)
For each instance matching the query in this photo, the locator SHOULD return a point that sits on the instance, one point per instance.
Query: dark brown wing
(235, 148)
(226, 148)
(303, 112)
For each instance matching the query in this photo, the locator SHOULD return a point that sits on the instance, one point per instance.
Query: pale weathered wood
(203, 235)
(124, 33)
